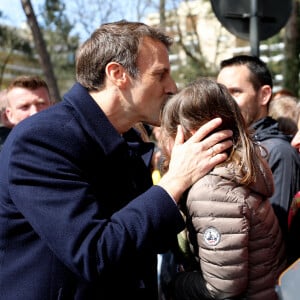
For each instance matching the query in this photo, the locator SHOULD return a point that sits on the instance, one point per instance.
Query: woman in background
(232, 232)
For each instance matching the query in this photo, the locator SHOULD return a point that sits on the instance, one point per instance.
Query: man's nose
(296, 141)
(33, 110)
(171, 87)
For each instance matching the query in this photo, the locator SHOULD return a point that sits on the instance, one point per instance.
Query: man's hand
(194, 158)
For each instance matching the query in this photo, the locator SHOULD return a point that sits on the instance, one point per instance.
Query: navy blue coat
(79, 217)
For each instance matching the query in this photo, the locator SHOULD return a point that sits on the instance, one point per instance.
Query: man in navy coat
(79, 217)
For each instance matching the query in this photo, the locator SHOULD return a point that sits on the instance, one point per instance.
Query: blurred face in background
(253, 104)
(296, 141)
(23, 103)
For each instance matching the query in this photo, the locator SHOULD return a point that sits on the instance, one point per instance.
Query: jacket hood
(267, 128)
(263, 185)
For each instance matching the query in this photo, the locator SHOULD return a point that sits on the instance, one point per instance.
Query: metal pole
(254, 29)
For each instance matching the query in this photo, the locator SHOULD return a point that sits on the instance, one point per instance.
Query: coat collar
(96, 124)
(92, 118)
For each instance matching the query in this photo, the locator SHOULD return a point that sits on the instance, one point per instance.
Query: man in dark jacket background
(249, 81)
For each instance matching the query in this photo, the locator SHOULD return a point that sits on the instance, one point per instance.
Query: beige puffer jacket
(239, 242)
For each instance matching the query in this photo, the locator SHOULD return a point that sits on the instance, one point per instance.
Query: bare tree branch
(41, 49)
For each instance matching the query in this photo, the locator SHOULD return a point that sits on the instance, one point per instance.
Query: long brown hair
(201, 101)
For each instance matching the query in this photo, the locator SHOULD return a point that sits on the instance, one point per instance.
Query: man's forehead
(234, 74)
(19, 94)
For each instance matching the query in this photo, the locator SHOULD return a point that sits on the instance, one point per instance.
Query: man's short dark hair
(260, 74)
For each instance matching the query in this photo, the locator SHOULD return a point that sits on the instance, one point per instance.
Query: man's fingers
(204, 130)
(217, 159)
(214, 143)
(179, 139)
(219, 148)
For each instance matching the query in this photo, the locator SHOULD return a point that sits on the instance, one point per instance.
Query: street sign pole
(254, 29)
(253, 20)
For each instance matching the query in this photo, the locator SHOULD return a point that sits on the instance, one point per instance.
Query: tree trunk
(162, 13)
(41, 50)
(292, 50)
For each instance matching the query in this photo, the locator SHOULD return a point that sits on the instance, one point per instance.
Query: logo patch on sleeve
(212, 236)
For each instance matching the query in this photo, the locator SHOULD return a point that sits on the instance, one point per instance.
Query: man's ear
(116, 74)
(266, 94)
(5, 120)
(8, 114)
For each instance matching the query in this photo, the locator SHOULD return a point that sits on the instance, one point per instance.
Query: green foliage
(192, 70)
(60, 44)
(55, 18)
(10, 38)
(18, 52)
(15, 50)
(275, 66)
